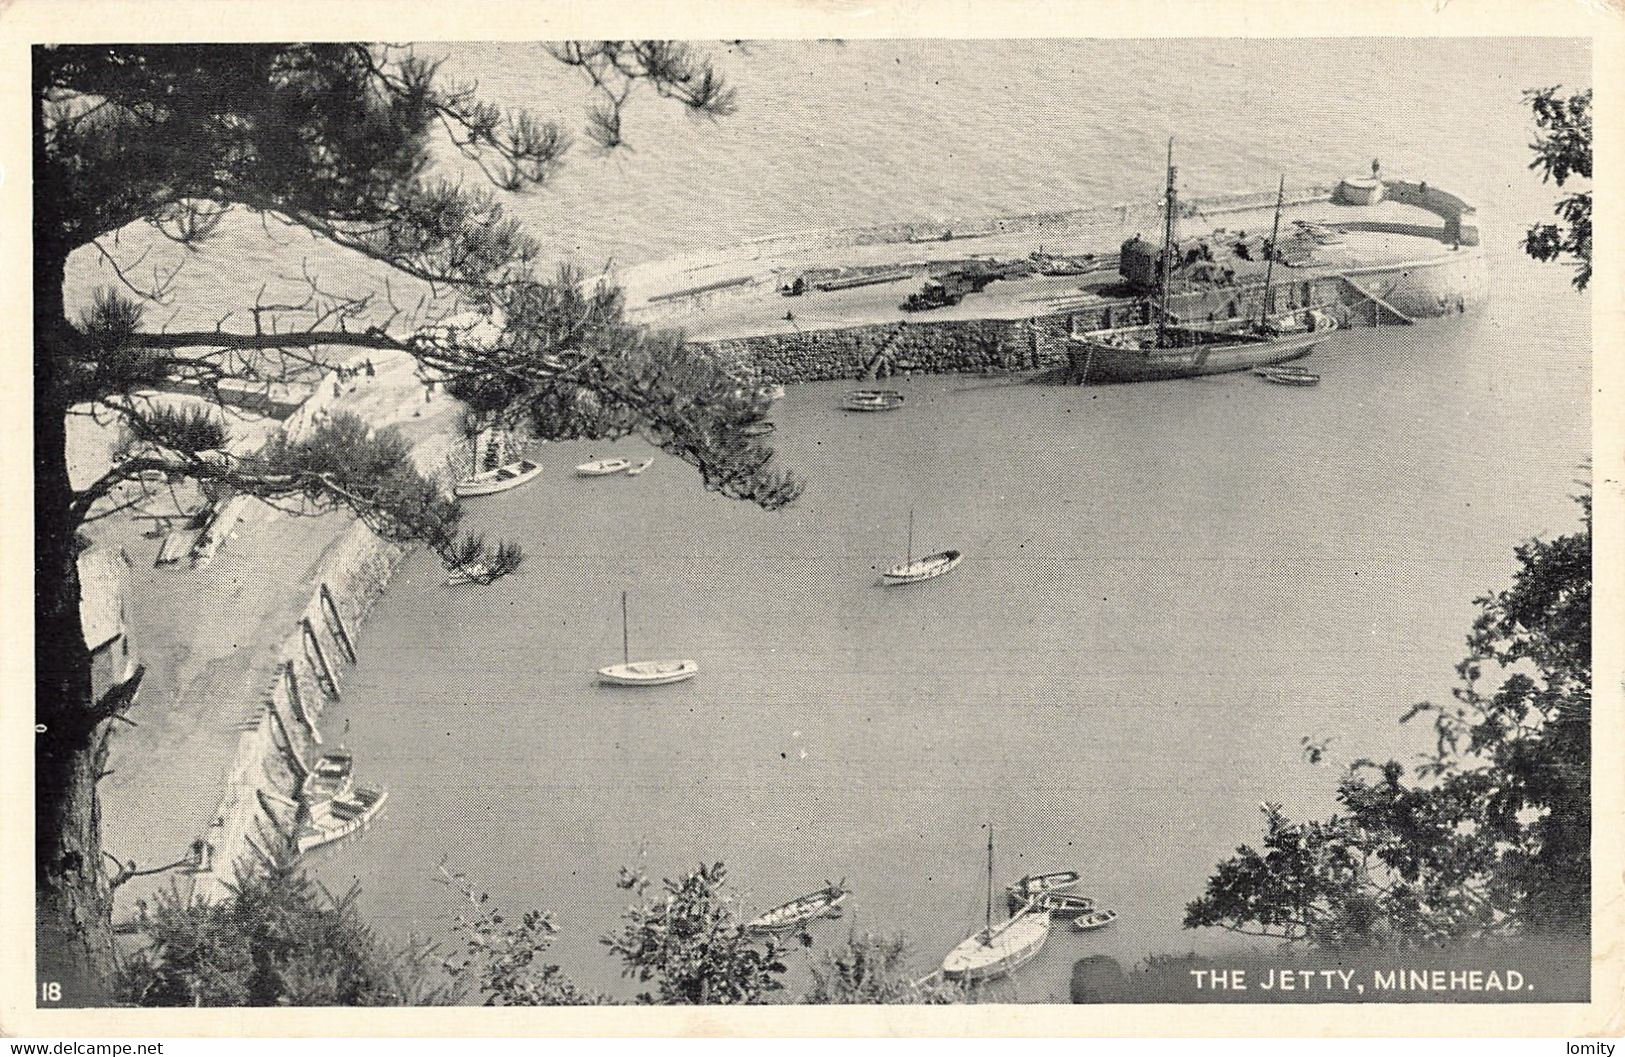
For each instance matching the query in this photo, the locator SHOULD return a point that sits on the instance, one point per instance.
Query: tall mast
(626, 649)
(988, 930)
(1170, 208)
(1269, 268)
(909, 557)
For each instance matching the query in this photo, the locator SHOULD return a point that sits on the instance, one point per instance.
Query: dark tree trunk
(72, 902)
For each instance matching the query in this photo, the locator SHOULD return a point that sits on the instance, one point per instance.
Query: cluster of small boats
(521, 471)
(331, 805)
(1035, 902)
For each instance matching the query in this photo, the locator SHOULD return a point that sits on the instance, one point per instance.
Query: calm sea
(1166, 586)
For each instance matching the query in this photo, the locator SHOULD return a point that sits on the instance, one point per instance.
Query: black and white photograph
(812, 519)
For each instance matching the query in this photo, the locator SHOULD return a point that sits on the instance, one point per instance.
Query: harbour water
(1166, 586)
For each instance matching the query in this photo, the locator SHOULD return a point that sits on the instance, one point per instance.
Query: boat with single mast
(803, 910)
(644, 673)
(997, 950)
(1167, 348)
(912, 570)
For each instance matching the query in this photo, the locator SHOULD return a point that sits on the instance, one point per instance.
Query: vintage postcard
(1033, 521)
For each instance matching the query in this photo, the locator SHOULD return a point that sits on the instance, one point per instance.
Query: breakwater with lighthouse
(1373, 252)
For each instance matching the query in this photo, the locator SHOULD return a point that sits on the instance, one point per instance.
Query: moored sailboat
(644, 673)
(912, 570)
(997, 950)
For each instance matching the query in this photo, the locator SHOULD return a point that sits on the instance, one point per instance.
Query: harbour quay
(1009, 294)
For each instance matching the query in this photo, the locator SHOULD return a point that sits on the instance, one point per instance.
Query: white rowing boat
(504, 477)
(824, 903)
(1097, 920)
(1034, 885)
(1290, 377)
(471, 574)
(872, 400)
(602, 467)
(340, 817)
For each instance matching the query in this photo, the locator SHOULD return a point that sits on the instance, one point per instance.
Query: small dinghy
(1034, 885)
(504, 477)
(472, 574)
(332, 804)
(644, 673)
(824, 903)
(1063, 905)
(1098, 919)
(1290, 377)
(872, 400)
(341, 816)
(602, 467)
(633, 471)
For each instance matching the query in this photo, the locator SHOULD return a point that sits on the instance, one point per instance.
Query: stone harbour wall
(881, 350)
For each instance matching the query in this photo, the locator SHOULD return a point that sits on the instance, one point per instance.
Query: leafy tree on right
(1563, 150)
(1490, 836)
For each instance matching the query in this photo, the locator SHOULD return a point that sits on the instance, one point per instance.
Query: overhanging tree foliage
(1563, 150)
(1490, 836)
(337, 140)
(689, 940)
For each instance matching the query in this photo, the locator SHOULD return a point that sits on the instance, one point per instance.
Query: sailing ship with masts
(998, 950)
(1169, 348)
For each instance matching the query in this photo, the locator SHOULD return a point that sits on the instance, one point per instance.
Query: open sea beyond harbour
(1166, 586)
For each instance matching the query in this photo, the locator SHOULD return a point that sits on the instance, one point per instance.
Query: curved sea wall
(256, 820)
